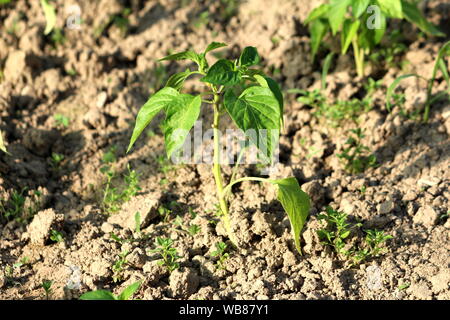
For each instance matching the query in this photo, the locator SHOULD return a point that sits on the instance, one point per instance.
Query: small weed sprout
(355, 156)
(19, 207)
(221, 254)
(337, 232)
(194, 229)
(56, 160)
(56, 236)
(168, 253)
(119, 266)
(112, 197)
(126, 294)
(46, 285)
(61, 120)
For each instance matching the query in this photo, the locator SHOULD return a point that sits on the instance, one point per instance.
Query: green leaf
(326, 68)
(379, 32)
(256, 108)
(336, 14)
(296, 203)
(413, 15)
(98, 295)
(187, 55)
(359, 7)
(348, 34)
(50, 16)
(128, 292)
(2, 144)
(149, 110)
(214, 45)
(222, 73)
(181, 114)
(392, 8)
(176, 81)
(318, 29)
(267, 82)
(249, 57)
(393, 86)
(317, 13)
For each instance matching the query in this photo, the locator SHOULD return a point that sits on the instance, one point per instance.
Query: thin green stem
(235, 168)
(359, 57)
(228, 187)
(217, 171)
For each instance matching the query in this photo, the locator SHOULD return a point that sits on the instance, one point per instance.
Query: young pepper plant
(364, 26)
(252, 100)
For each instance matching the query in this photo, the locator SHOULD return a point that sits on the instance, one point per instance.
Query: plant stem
(221, 195)
(359, 57)
(228, 187)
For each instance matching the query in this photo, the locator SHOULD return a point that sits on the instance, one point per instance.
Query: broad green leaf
(256, 108)
(393, 86)
(249, 57)
(214, 45)
(222, 73)
(392, 8)
(181, 114)
(318, 29)
(317, 13)
(413, 15)
(187, 55)
(98, 295)
(336, 14)
(296, 203)
(176, 81)
(267, 82)
(359, 7)
(349, 31)
(2, 144)
(128, 292)
(149, 110)
(50, 16)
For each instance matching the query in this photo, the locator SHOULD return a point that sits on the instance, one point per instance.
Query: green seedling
(61, 120)
(194, 229)
(112, 196)
(441, 66)
(50, 16)
(252, 100)
(17, 208)
(119, 266)
(168, 253)
(126, 294)
(336, 232)
(221, 254)
(355, 156)
(56, 236)
(47, 285)
(336, 235)
(164, 213)
(362, 24)
(374, 240)
(56, 159)
(404, 286)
